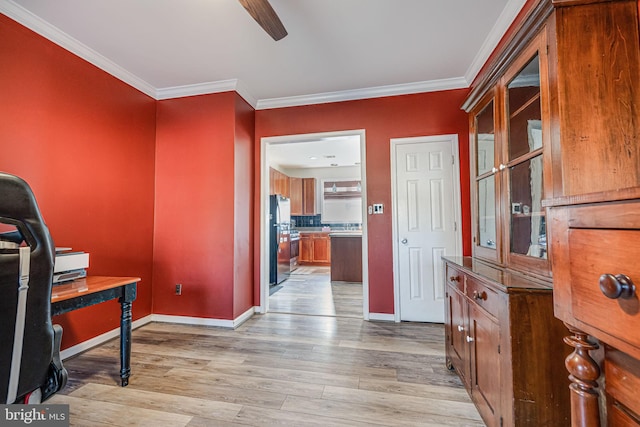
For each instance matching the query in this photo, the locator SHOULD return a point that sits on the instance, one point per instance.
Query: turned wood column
(585, 410)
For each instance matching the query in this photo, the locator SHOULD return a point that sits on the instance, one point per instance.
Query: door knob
(469, 339)
(404, 241)
(460, 328)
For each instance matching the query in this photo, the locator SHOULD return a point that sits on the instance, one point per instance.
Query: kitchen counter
(354, 233)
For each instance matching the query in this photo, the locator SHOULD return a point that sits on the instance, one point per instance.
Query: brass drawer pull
(618, 286)
(479, 295)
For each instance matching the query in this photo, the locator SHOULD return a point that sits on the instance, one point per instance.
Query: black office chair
(30, 366)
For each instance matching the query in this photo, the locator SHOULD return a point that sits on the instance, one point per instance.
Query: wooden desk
(94, 290)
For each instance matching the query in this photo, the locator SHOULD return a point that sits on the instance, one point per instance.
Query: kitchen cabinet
(303, 196)
(278, 183)
(295, 187)
(315, 249)
(499, 332)
(309, 196)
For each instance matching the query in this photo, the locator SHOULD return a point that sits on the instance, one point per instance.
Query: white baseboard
(114, 333)
(90, 343)
(382, 317)
(202, 321)
(245, 316)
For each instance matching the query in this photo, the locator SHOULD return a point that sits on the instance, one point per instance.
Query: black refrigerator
(279, 242)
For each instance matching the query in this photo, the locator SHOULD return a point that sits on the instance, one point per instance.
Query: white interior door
(425, 224)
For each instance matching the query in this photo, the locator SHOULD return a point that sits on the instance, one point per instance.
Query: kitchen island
(346, 256)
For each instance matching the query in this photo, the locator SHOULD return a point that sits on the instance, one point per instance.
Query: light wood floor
(309, 290)
(275, 369)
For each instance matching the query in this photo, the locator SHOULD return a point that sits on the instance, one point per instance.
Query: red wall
(202, 229)
(84, 141)
(243, 223)
(433, 113)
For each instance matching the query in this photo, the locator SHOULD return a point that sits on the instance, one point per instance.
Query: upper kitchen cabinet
(309, 196)
(303, 196)
(295, 187)
(509, 128)
(278, 183)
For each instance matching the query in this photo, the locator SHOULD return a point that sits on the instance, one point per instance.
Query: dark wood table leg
(585, 410)
(125, 343)
(128, 295)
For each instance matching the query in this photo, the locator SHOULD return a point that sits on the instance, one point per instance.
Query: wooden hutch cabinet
(555, 175)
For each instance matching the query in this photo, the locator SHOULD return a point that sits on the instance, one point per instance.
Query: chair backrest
(23, 226)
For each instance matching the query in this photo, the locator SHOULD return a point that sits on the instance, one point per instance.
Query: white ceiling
(335, 50)
(332, 151)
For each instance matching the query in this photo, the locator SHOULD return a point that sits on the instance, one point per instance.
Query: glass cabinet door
(527, 226)
(486, 241)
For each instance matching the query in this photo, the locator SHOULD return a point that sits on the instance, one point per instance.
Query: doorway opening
(308, 288)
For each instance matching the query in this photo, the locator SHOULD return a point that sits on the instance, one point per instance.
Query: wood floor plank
(189, 406)
(370, 413)
(96, 411)
(339, 368)
(264, 417)
(426, 405)
(269, 385)
(193, 388)
(297, 375)
(412, 389)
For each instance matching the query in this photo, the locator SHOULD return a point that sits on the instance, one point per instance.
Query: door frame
(264, 209)
(453, 140)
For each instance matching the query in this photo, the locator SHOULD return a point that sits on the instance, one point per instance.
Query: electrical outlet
(378, 208)
(178, 289)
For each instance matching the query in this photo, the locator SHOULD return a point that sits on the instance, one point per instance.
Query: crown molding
(196, 89)
(366, 93)
(62, 39)
(499, 29)
(206, 89)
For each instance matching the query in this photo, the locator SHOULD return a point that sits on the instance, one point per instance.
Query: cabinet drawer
(618, 417)
(455, 278)
(484, 296)
(592, 253)
(622, 374)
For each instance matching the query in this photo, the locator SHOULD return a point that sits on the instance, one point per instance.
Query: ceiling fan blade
(264, 15)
